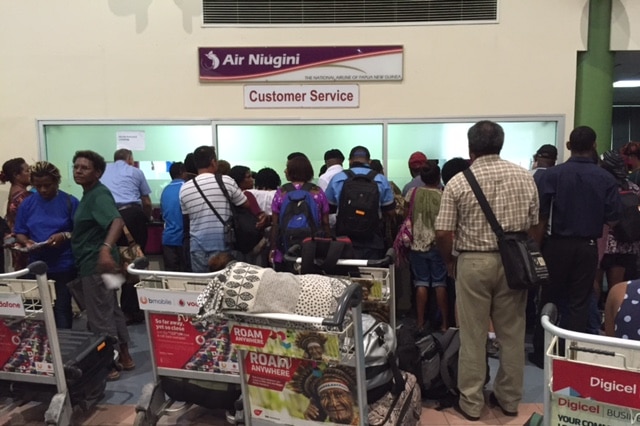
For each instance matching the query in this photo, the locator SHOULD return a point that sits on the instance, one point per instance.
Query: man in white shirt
(333, 159)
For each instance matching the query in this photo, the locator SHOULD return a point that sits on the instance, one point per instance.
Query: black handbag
(246, 233)
(524, 266)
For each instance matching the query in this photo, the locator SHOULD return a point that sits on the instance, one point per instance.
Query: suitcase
(400, 410)
(87, 358)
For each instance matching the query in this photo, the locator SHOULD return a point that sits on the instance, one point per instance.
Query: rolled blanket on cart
(244, 287)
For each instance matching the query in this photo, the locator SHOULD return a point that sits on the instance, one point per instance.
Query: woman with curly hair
(47, 218)
(16, 172)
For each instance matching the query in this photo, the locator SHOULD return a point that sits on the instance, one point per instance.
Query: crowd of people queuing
(570, 209)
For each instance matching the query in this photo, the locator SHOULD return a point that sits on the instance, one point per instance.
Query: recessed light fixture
(626, 83)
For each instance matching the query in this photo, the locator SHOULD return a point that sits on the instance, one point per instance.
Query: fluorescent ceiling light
(627, 83)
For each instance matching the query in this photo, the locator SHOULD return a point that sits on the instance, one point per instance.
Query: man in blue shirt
(173, 233)
(130, 190)
(359, 159)
(579, 197)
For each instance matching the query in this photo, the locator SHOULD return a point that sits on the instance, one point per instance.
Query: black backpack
(358, 209)
(627, 230)
(439, 363)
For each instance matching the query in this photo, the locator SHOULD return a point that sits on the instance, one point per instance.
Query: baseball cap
(333, 154)
(417, 160)
(547, 151)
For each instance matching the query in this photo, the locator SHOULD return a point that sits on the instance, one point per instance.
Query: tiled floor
(118, 405)
(112, 415)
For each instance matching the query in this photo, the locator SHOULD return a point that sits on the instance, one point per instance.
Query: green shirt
(91, 223)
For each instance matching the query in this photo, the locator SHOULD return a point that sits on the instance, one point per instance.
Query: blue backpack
(299, 217)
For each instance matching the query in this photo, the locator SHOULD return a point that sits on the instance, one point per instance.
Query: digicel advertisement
(608, 385)
(204, 346)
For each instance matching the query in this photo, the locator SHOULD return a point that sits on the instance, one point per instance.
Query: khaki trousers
(483, 294)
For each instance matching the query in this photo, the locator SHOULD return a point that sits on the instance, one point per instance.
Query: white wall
(625, 25)
(127, 59)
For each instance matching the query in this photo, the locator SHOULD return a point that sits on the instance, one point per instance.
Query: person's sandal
(113, 375)
(128, 366)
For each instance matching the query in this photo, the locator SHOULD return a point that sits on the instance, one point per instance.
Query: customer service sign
(301, 64)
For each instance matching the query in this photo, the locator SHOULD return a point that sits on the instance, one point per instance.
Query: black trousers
(136, 221)
(174, 258)
(572, 264)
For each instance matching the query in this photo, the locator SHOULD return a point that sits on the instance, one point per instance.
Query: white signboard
(302, 96)
(176, 302)
(133, 140)
(11, 305)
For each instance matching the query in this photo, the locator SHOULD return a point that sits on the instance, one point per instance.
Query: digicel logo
(10, 305)
(578, 406)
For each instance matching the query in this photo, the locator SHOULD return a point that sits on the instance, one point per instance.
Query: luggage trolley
(595, 382)
(283, 385)
(29, 346)
(377, 278)
(180, 350)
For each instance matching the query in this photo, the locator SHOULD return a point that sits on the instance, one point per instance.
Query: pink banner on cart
(608, 385)
(24, 347)
(178, 343)
(9, 341)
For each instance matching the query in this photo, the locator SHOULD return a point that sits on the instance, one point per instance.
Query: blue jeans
(200, 260)
(62, 310)
(428, 268)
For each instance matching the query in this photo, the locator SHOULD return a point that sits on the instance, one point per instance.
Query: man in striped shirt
(481, 287)
(206, 231)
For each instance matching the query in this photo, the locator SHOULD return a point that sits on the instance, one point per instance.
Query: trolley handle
(551, 312)
(351, 298)
(36, 268)
(292, 256)
(138, 263)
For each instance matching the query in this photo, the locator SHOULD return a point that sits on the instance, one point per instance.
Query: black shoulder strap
(308, 186)
(223, 188)
(349, 173)
(195, 183)
(287, 187)
(372, 174)
(486, 208)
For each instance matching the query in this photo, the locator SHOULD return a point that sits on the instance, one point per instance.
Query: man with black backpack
(361, 196)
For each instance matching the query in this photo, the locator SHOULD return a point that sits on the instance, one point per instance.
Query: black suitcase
(88, 358)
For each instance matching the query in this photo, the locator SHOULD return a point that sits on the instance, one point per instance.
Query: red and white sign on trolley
(608, 385)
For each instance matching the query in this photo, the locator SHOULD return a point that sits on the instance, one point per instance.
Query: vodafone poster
(24, 347)
(203, 346)
(302, 392)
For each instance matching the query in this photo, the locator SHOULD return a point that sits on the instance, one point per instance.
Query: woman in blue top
(47, 217)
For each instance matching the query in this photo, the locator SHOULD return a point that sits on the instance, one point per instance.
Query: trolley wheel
(142, 420)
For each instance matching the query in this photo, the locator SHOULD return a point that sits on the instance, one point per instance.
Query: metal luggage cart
(595, 381)
(279, 382)
(179, 350)
(29, 345)
(377, 278)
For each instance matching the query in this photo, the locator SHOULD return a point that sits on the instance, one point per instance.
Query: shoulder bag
(247, 235)
(524, 266)
(128, 254)
(404, 237)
